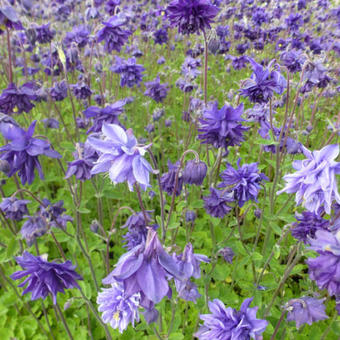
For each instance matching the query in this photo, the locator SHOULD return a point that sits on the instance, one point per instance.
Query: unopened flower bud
(194, 172)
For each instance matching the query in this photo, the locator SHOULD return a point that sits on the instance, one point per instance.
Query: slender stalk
(46, 318)
(63, 321)
(205, 67)
(9, 49)
(278, 325)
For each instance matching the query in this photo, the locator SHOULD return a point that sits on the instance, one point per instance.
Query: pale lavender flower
(314, 181)
(227, 323)
(118, 309)
(305, 310)
(121, 157)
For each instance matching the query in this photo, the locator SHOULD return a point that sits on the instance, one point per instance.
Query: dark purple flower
(44, 34)
(59, 91)
(294, 21)
(190, 216)
(305, 310)
(259, 16)
(23, 151)
(45, 277)
(222, 128)
(79, 35)
(118, 309)
(307, 225)
(156, 90)
(292, 60)
(111, 5)
(191, 16)
(13, 208)
(239, 62)
(227, 323)
(17, 100)
(161, 36)
(216, 204)
(169, 178)
(194, 172)
(137, 230)
(314, 181)
(35, 226)
(50, 123)
(243, 183)
(227, 253)
(109, 114)
(130, 73)
(85, 158)
(262, 83)
(113, 34)
(144, 269)
(81, 90)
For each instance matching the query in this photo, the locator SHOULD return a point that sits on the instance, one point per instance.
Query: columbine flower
(81, 90)
(156, 90)
(9, 18)
(325, 268)
(227, 253)
(85, 157)
(144, 269)
(189, 265)
(222, 128)
(244, 183)
(194, 172)
(113, 34)
(314, 181)
(263, 82)
(17, 100)
(307, 225)
(118, 309)
(121, 156)
(13, 208)
(79, 35)
(169, 178)
(137, 230)
(44, 34)
(108, 114)
(227, 323)
(216, 204)
(35, 226)
(23, 151)
(45, 277)
(130, 73)
(305, 310)
(191, 16)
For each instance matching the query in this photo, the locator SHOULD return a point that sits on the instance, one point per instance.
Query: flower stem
(10, 68)
(278, 325)
(64, 321)
(205, 67)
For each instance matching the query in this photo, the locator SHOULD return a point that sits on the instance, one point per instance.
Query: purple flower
(222, 128)
(109, 115)
(113, 34)
(137, 230)
(111, 5)
(17, 100)
(161, 36)
(85, 157)
(243, 183)
(35, 226)
(118, 309)
(191, 16)
(307, 225)
(13, 208)
(79, 35)
(59, 91)
(130, 73)
(194, 172)
(262, 83)
(314, 181)
(121, 156)
(292, 60)
(81, 90)
(294, 21)
(45, 277)
(9, 18)
(324, 269)
(227, 253)
(156, 90)
(168, 179)
(216, 204)
(305, 310)
(144, 269)
(50, 123)
(23, 151)
(44, 34)
(227, 323)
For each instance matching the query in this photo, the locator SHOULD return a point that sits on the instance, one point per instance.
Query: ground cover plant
(168, 169)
